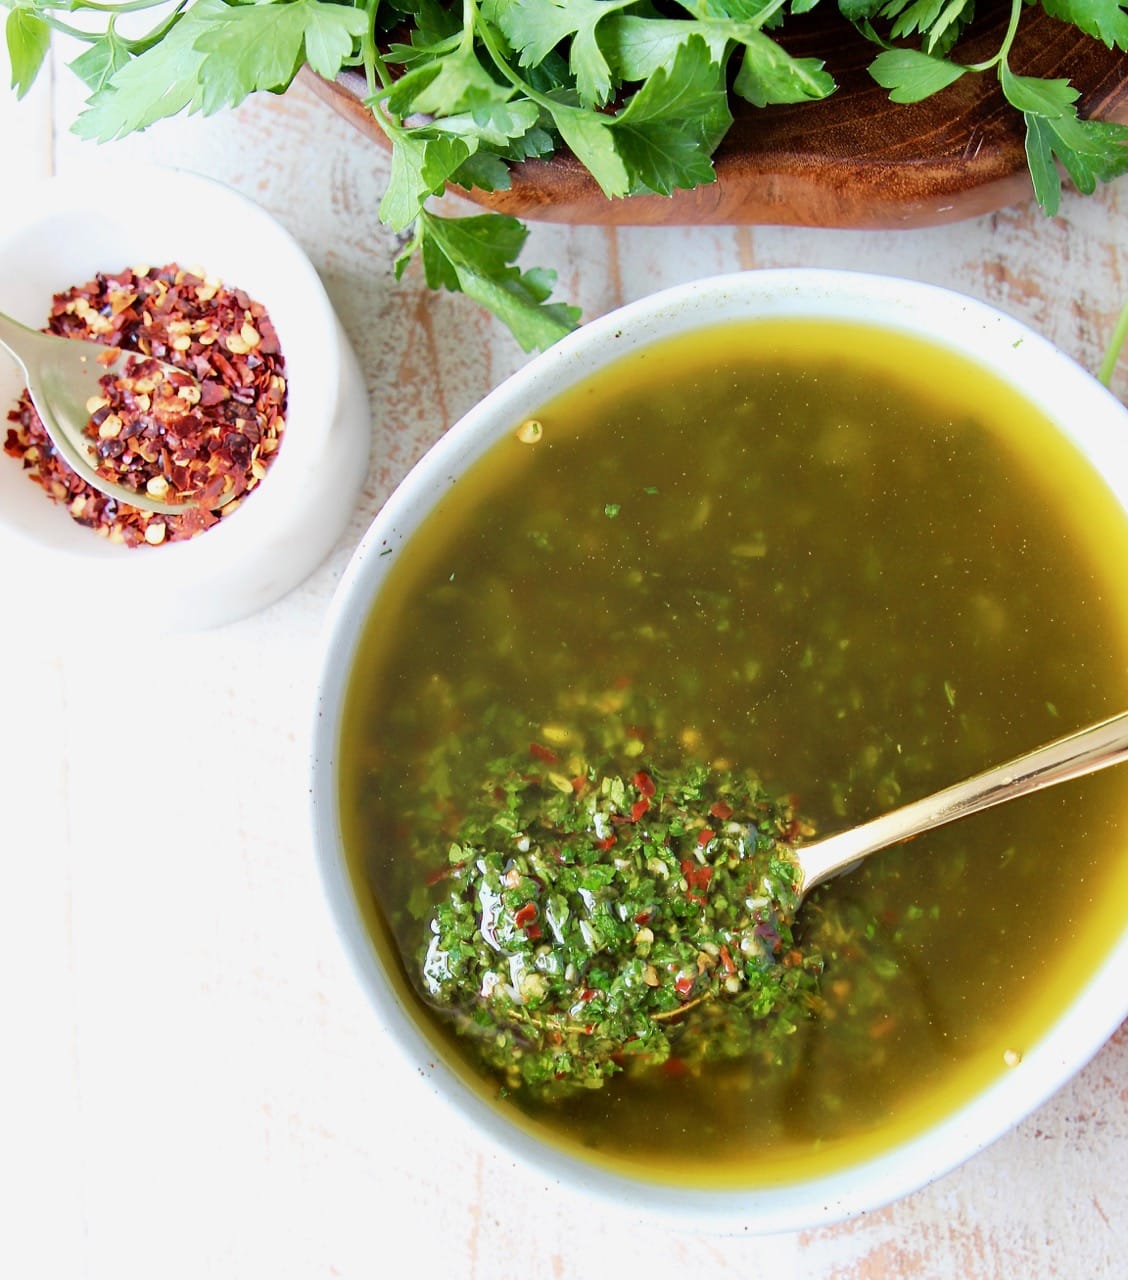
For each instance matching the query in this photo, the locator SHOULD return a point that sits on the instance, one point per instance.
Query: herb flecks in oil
(596, 922)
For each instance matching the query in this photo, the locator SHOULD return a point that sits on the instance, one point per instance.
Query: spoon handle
(1085, 751)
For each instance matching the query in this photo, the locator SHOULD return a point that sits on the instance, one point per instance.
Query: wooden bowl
(852, 160)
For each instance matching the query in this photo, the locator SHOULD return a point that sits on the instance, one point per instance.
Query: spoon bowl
(62, 375)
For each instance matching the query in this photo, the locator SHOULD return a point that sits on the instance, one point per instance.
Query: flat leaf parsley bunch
(639, 90)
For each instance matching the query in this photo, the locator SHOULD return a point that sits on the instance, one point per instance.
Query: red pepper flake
(525, 915)
(721, 810)
(675, 1068)
(533, 932)
(545, 754)
(606, 843)
(697, 880)
(643, 917)
(639, 808)
(683, 985)
(441, 873)
(579, 785)
(696, 876)
(210, 437)
(644, 784)
(588, 993)
(703, 837)
(726, 959)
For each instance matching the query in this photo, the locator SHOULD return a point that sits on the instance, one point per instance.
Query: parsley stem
(130, 6)
(64, 28)
(768, 12)
(1008, 40)
(486, 36)
(1115, 346)
(373, 63)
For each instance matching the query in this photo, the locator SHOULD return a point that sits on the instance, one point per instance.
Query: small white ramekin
(65, 231)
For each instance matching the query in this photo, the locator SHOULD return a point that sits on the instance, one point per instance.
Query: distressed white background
(191, 1084)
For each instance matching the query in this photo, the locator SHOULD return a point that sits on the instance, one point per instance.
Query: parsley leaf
(161, 82)
(535, 27)
(592, 141)
(101, 60)
(1090, 150)
(475, 255)
(939, 21)
(637, 47)
(28, 38)
(911, 75)
(453, 82)
(261, 46)
(1106, 20)
(421, 167)
(215, 55)
(770, 74)
(667, 131)
(860, 10)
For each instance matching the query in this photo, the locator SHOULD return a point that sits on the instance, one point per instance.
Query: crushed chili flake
(644, 783)
(525, 915)
(697, 879)
(214, 435)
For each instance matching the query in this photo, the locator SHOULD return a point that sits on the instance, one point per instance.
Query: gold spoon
(1073, 756)
(62, 374)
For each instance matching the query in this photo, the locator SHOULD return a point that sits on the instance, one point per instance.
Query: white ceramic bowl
(62, 234)
(1083, 409)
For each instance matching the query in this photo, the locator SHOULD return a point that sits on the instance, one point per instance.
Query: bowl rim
(1081, 408)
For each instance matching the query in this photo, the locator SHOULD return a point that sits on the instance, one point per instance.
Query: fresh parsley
(1090, 151)
(639, 91)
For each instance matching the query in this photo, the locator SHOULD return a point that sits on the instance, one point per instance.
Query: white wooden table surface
(191, 1082)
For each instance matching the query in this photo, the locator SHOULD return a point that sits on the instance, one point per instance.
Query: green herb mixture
(592, 921)
(641, 92)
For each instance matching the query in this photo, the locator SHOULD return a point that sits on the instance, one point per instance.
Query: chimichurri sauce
(591, 923)
(854, 577)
